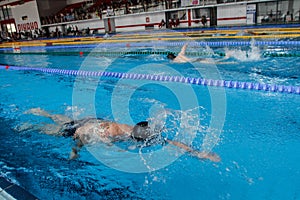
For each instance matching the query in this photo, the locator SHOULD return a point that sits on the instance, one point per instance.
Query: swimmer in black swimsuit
(68, 129)
(181, 58)
(91, 130)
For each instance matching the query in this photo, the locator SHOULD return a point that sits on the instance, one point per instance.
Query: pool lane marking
(140, 52)
(11, 191)
(115, 40)
(179, 79)
(168, 44)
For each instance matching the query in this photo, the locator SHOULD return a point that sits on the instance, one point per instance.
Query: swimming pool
(255, 132)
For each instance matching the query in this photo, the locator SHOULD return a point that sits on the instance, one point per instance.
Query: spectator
(110, 12)
(203, 20)
(161, 24)
(177, 22)
(171, 23)
(88, 31)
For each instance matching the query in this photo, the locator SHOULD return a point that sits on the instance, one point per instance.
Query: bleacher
(71, 7)
(97, 4)
(98, 8)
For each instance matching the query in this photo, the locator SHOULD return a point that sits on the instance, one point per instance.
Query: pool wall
(11, 191)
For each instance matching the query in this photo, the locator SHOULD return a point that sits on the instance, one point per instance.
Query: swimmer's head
(141, 131)
(171, 56)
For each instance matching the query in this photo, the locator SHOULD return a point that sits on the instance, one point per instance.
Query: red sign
(28, 26)
(195, 2)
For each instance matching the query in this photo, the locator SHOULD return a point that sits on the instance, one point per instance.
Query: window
(1, 13)
(11, 28)
(5, 12)
(198, 13)
(273, 12)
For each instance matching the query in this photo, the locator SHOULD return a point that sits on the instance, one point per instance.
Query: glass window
(11, 28)
(1, 13)
(181, 15)
(198, 13)
(6, 12)
(9, 13)
(272, 12)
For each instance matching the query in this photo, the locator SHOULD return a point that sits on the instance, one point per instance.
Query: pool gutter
(11, 191)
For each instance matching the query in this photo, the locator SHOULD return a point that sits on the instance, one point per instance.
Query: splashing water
(253, 54)
(154, 154)
(177, 123)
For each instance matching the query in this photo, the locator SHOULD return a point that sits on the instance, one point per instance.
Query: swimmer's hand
(201, 155)
(207, 155)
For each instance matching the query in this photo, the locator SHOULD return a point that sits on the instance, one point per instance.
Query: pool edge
(11, 191)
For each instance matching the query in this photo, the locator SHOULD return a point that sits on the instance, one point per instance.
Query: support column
(189, 18)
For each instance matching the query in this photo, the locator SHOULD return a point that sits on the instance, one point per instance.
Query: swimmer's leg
(23, 127)
(59, 119)
(50, 129)
(214, 61)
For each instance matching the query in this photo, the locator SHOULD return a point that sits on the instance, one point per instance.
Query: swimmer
(181, 58)
(249, 33)
(254, 33)
(89, 130)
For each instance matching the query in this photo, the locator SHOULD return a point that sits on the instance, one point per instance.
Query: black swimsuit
(68, 129)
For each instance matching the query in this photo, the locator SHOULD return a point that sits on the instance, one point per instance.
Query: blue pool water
(256, 133)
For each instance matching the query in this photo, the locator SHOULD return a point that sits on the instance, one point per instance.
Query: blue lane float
(143, 52)
(179, 79)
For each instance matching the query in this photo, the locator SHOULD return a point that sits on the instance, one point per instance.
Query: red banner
(28, 26)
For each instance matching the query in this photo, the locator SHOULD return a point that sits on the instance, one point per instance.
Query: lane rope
(180, 79)
(120, 53)
(127, 44)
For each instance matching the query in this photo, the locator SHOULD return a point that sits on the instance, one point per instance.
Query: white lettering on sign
(28, 26)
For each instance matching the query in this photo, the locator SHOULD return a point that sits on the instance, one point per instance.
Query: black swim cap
(171, 56)
(141, 131)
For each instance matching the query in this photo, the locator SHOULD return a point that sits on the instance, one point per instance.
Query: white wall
(138, 21)
(30, 10)
(231, 15)
(92, 24)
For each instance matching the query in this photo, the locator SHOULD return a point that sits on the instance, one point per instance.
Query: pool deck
(11, 191)
(165, 35)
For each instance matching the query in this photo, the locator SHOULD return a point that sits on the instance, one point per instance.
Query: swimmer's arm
(201, 155)
(183, 49)
(75, 150)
